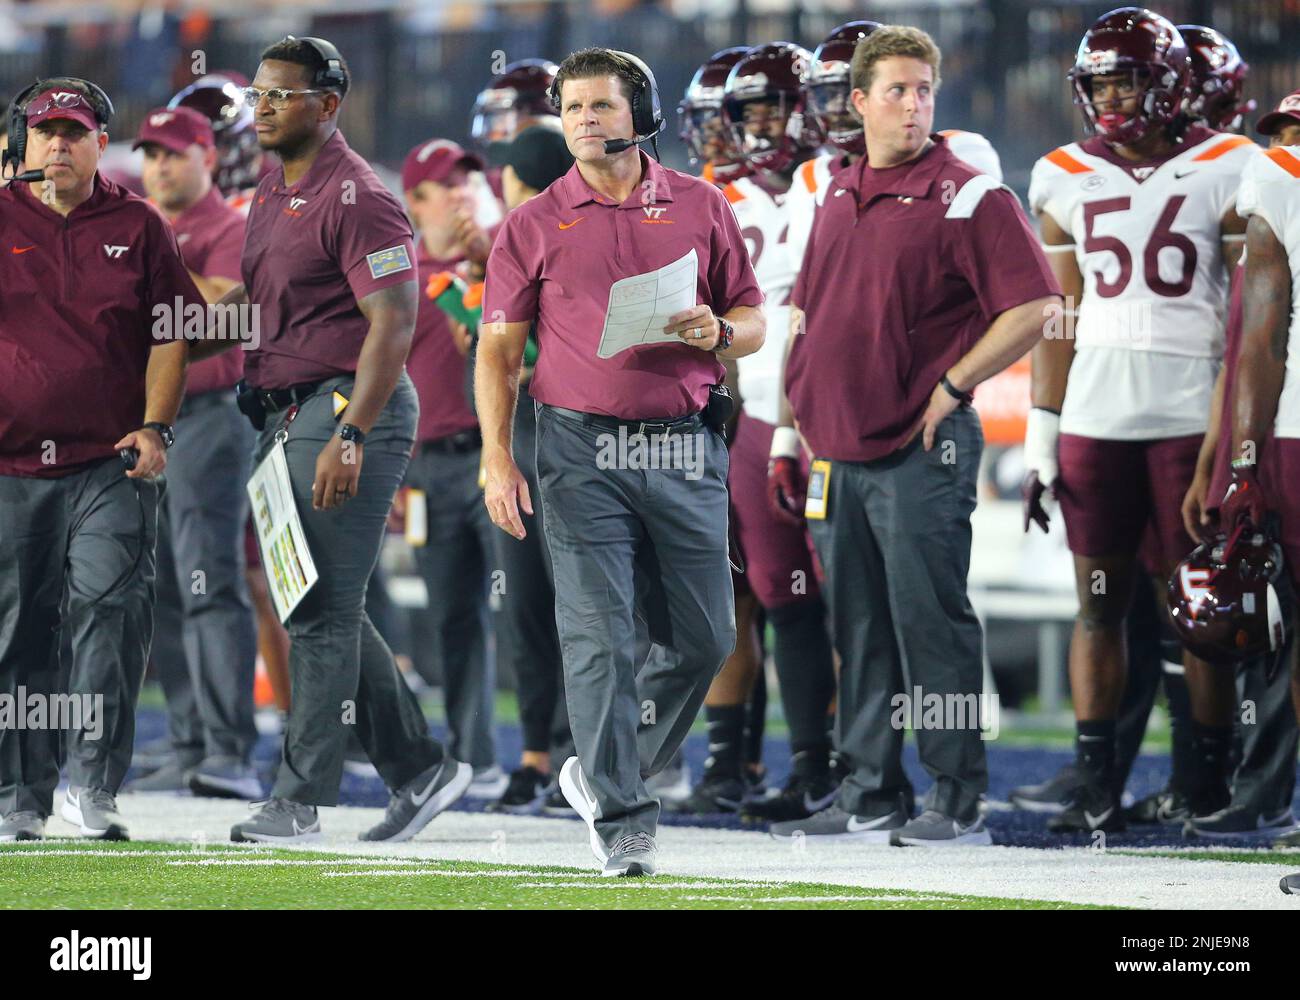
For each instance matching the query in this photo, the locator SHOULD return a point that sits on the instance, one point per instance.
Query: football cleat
(1095, 808)
(1167, 807)
(1053, 796)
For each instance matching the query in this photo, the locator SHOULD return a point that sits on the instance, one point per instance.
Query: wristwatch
(164, 431)
(353, 433)
(726, 334)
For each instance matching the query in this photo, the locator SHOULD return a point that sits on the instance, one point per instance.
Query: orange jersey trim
(1227, 145)
(1066, 162)
(1284, 160)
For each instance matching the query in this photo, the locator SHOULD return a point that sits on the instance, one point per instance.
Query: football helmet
(520, 91)
(702, 128)
(1147, 47)
(764, 107)
(1222, 598)
(220, 98)
(1218, 79)
(827, 87)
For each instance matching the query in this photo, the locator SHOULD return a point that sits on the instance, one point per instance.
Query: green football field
(72, 874)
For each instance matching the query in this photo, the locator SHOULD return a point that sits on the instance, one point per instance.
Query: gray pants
(78, 558)
(1265, 779)
(341, 672)
(205, 639)
(626, 542)
(895, 546)
(455, 563)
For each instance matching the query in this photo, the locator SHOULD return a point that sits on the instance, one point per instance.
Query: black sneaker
(1208, 797)
(1167, 807)
(527, 785)
(1239, 821)
(808, 790)
(555, 804)
(1053, 796)
(1096, 807)
(716, 793)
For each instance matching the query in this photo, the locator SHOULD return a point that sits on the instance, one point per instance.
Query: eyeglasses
(277, 97)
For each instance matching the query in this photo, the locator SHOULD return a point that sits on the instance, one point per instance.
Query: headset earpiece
(331, 74)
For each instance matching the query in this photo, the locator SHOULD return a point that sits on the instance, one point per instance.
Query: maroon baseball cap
(434, 160)
(176, 129)
(58, 102)
(1286, 113)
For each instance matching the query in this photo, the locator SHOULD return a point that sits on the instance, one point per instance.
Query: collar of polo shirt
(320, 170)
(907, 180)
(577, 192)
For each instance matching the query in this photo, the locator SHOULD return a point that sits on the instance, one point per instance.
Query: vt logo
(297, 203)
(653, 213)
(114, 251)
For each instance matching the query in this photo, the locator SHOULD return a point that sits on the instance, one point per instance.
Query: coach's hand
(942, 403)
(505, 491)
(697, 326)
(338, 471)
(153, 453)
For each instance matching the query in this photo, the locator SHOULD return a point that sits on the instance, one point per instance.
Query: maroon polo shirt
(211, 236)
(435, 365)
(76, 323)
(311, 253)
(556, 257)
(905, 270)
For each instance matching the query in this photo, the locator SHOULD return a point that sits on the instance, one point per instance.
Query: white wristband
(1042, 430)
(785, 443)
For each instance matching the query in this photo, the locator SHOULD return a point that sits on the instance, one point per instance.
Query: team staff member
(205, 646)
(950, 287)
(455, 559)
(329, 262)
(622, 533)
(86, 264)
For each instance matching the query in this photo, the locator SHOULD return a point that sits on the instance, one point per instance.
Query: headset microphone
(29, 177)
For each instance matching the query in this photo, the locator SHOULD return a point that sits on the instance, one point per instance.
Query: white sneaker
(573, 786)
(93, 811)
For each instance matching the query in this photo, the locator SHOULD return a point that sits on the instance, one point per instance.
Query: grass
(141, 875)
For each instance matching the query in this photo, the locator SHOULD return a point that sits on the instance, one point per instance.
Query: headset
(15, 154)
(647, 116)
(332, 73)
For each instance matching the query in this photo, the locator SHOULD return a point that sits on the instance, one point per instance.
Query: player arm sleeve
(1042, 194)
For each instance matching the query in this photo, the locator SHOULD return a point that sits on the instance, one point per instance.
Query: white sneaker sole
(1042, 808)
(981, 838)
(578, 802)
(436, 803)
(646, 869)
(307, 837)
(72, 814)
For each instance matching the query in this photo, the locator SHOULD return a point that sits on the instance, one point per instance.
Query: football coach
(85, 267)
(949, 286)
(329, 263)
(626, 541)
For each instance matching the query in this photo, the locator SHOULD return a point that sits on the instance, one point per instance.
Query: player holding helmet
(1140, 227)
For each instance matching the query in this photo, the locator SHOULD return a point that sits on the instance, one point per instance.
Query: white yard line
(1076, 875)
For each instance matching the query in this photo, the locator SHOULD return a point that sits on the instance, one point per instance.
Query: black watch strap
(954, 392)
(164, 431)
(353, 433)
(726, 334)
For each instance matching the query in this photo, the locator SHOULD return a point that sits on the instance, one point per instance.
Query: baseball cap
(176, 129)
(538, 155)
(1286, 113)
(434, 161)
(58, 102)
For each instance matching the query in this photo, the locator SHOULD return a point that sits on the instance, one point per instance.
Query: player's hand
(153, 453)
(460, 335)
(338, 472)
(1196, 515)
(1243, 501)
(505, 492)
(787, 490)
(471, 236)
(942, 403)
(1042, 431)
(697, 326)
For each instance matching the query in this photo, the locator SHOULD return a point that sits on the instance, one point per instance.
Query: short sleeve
(1262, 192)
(169, 280)
(513, 281)
(1001, 257)
(373, 243)
(1042, 193)
(731, 276)
(223, 258)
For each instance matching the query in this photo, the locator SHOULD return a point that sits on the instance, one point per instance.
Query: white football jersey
(1270, 188)
(812, 180)
(764, 219)
(1148, 241)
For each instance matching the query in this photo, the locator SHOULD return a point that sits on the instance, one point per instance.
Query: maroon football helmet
(1139, 43)
(826, 87)
(1222, 600)
(520, 91)
(764, 107)
(703, 128)
(219, 97)
(1218, 79)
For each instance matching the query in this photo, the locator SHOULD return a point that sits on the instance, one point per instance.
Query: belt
(275, 400)
(204, 401)
(677, 425)
(460, 443)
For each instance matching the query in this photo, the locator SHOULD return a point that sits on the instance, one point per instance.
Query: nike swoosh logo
(587, 797)
(817, 805)
(1096, 821)
(24, 249)
(420, 800)
(857, 826)
(570, 225)
(1186, 173)
(298, 831)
